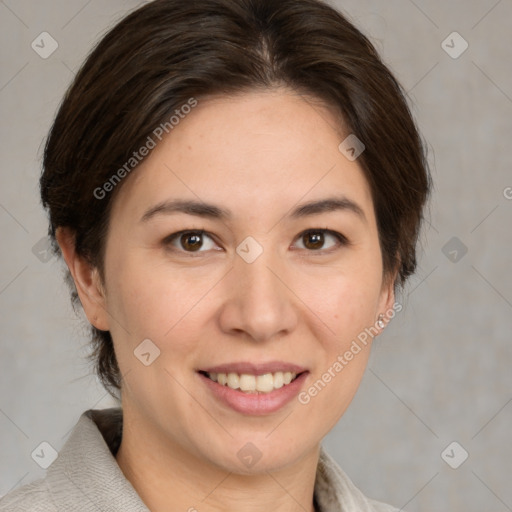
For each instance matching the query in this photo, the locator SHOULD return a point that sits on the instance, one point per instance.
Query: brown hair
(163, 54)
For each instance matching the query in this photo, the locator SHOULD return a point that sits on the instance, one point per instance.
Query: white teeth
(253, 383)
(233, 380)
(246, 382)
(264, 383)
(278, 380)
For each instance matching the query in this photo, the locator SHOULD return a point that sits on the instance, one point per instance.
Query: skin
(258, 154)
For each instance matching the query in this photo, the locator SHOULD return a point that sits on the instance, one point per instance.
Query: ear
(87, 280)
(387, 298)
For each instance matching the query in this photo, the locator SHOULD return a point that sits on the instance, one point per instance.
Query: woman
(236, 187)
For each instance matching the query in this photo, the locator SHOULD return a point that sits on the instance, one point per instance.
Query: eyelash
(342, 240)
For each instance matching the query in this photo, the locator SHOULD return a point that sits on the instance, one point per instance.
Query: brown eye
(189, 241)
(314, 240)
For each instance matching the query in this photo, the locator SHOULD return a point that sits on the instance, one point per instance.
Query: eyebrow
(207, 210)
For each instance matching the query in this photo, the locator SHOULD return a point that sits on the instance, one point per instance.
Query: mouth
(254, 389)
(251, 383)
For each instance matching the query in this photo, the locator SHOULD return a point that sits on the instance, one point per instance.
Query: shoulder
(336, 491)
(32, 497)
(84, 463)
(85, 475)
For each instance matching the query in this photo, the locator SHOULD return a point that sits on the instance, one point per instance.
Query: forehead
(256, 152)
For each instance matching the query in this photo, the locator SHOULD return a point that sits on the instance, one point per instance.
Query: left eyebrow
(331, 204)
(207, 210)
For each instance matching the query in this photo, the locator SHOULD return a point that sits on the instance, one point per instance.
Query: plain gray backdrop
(441, 372)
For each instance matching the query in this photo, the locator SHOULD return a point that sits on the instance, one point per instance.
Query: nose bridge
(256, 265)
(260, 301)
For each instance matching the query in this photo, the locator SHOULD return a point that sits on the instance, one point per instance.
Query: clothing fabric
(85, 477)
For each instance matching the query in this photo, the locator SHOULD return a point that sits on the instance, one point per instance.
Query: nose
(260, 303)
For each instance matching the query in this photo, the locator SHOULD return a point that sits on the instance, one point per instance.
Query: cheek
(156, 302)
(150, 304)
(343, 357)
(348, 299)
(148, 301)
(354, 315)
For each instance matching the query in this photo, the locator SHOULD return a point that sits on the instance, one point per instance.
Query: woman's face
(254, 294)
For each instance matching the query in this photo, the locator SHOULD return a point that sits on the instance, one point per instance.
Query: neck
(168, 478)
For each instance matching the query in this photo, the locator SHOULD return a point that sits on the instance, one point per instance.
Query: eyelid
(342, 239)
(174, 236)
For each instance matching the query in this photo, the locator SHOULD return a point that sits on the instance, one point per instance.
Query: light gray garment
(85, 477)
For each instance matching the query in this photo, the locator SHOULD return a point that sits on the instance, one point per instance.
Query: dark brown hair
(163, 54)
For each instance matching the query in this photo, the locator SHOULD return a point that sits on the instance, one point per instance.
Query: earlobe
(87, 280)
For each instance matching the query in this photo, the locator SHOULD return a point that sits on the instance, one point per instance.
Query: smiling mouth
(248, 383)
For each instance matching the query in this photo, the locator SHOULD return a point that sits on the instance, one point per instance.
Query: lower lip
(255, 403)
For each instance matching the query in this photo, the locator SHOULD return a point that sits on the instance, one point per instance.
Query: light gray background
(440, 372)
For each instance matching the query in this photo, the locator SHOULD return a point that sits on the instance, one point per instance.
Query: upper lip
(255, 368)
